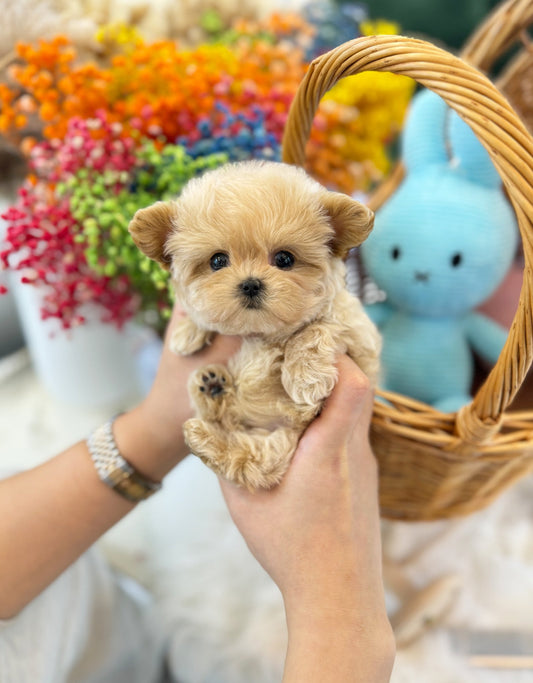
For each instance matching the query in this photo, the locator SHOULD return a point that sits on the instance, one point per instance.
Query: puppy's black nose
(251, 287)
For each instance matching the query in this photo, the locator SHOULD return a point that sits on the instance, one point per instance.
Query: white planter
(91, 366)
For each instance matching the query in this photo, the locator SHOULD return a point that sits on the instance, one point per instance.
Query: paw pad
(212, 384)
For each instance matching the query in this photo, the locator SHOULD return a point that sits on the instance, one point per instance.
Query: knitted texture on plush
(440, 247)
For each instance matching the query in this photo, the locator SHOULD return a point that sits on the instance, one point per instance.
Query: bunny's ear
(351, 220)
(150, 228)
(469, 156)
(424, 139)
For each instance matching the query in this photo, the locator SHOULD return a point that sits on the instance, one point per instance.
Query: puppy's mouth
(253, 305)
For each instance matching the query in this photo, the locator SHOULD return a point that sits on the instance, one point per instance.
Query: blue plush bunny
(440, 246)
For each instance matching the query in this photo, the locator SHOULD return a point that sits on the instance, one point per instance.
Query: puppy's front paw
(187, 338)
(209, 388)
(308, 373)
(308, 383)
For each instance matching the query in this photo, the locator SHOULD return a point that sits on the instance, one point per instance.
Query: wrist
(344, 625)
(338, 646)
(151, 448)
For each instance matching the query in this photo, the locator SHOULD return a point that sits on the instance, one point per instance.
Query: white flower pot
(92, 366)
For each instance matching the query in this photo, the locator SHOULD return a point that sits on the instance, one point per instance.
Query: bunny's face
(442, 253)
(443, 243)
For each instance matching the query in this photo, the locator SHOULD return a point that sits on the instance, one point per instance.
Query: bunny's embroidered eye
(219, 260)
(396, 253)
(456, 260)
(284, 260)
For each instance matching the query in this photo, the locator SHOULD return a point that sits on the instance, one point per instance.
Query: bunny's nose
(421, 277)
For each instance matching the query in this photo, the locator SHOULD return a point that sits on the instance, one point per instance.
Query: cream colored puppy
(256, 249)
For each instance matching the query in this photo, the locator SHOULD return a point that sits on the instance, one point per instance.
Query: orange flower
(159, 90)
(47, 111)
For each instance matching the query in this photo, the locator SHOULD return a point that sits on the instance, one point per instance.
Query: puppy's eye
(396, 252)
(219, 260)
(283, 260)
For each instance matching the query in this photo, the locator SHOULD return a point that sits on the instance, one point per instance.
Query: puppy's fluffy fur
(256, 249)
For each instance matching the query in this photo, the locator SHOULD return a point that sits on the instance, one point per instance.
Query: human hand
(151, 435)
(318, 536)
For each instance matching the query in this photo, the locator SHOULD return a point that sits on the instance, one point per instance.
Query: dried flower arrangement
(103, 140)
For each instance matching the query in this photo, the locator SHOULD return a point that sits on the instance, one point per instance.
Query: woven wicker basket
(435, 465)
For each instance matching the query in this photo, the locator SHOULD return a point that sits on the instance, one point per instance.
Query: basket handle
(479, 103)
(497, 33)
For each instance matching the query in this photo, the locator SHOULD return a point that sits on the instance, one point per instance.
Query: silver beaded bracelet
(114, 470)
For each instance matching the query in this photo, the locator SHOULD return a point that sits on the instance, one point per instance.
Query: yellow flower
(379, 27)
(115, 35)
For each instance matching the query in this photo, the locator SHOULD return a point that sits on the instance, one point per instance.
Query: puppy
(256, 249)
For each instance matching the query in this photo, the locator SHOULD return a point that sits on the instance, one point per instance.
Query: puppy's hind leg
(207, 441)
(255, 459)
(259, 459)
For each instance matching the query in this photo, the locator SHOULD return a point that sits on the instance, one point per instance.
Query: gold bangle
(114, 470)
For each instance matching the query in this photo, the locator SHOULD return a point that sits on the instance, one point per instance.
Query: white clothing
(88, 626)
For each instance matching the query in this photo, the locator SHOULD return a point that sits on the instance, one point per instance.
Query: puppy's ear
(150, 228)
(351, 220)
